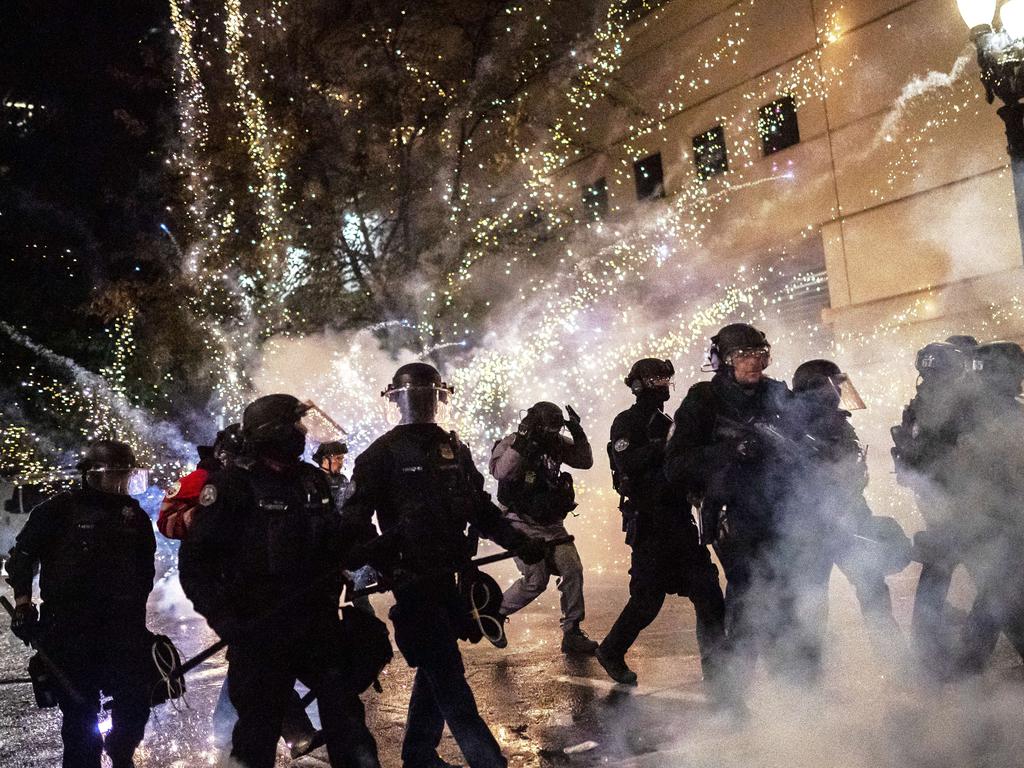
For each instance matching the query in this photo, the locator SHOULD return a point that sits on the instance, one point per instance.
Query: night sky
(83, 186)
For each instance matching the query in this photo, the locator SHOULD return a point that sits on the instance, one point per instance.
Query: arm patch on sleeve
(208, 495)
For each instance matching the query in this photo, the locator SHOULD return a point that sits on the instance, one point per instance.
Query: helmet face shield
(849, 397)
(120, 481)
(319, 426)
(423, 404)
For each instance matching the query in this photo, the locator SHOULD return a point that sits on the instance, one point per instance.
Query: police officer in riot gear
(94, 548)
(829, 520)
(538, 496)
(990, 539)
(330, 457)
(666, 556)
(923, 453)
(421, 483)
(262, 562)
(717, 453)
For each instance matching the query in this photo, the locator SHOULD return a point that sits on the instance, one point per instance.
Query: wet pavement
(549, 710)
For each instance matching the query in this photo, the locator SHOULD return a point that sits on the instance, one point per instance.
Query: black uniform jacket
(424, 488)
(266, 542)
(639, 459)
(701, 455)
(95, 553)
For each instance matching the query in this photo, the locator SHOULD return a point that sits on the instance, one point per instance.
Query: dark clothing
(923, 445)
(702, 455)
(422, 484)
(339, 488)
(116, 662)
(715, 454)
(262, 563)
(665, 558)
(264, 539)
(826, 512)
(261, 680)
(95, 553)
(440, 694)
(989, 540)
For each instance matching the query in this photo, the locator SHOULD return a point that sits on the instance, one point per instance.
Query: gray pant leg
(526, 588)
(566, 559)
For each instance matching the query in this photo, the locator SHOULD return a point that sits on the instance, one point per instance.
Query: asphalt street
(550, 710)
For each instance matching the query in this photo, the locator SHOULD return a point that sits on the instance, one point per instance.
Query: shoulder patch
(208, 495)
(174, 489)
(447, 452)
(621, 444)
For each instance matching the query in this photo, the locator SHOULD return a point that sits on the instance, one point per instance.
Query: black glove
(574, 425)
(574, 418)
(532, 551)
(25, 622)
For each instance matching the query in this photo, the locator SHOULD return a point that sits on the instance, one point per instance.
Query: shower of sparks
(578, 326)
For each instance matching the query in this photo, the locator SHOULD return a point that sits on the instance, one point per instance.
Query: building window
(649, 180)
(777, 125)
(709, 154)
(595, 200)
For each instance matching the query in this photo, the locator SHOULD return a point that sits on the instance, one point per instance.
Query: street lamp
(1001, 59)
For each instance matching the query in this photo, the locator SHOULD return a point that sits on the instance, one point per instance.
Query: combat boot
(615, 667)
(575, 640)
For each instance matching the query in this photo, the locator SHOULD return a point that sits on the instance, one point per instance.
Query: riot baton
(51, 667)
(189, 664)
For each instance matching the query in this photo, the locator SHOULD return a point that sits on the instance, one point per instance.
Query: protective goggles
(654, 382)
(762, 354)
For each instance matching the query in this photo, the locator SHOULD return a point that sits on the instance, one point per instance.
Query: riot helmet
(826, 382)
(1000, 365)
(543, 421)
(272, 425)
(651, 375)
(109, 466)
(417, 395)
(228, 444)
(738, 340)
(330, 456)
(546, 416)
(941, 360)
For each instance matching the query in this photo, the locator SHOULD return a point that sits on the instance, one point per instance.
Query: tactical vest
(432, 501)
(290, 524)
(101, 554)
(541, 493)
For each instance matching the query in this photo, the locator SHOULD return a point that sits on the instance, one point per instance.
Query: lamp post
(1001, 60)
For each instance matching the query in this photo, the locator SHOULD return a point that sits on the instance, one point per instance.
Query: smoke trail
(112, 414)
(915, 89)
